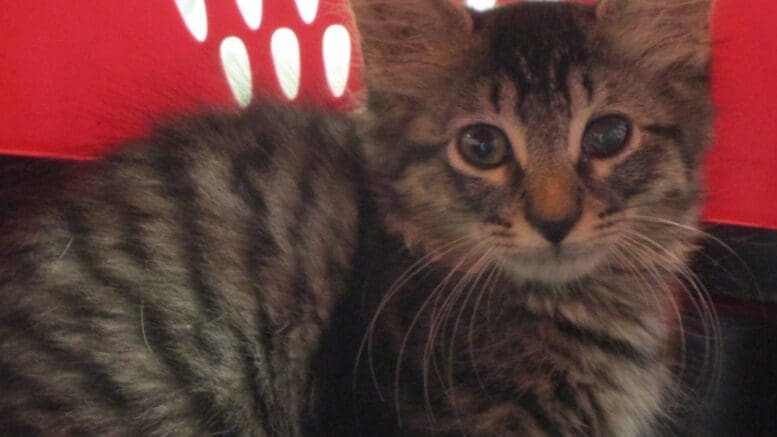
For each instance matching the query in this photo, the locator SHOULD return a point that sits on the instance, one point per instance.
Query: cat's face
(547, 138)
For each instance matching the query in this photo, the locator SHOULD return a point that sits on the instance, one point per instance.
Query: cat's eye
(604, 137)
(483, 146)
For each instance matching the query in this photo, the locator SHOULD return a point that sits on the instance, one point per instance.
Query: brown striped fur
(180, 286)
(195, 283)
(483, 326)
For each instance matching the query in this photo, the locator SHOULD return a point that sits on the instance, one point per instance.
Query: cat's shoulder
(217, 153)
(263, 128)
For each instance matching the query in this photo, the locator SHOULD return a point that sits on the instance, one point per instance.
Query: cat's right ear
(411, 47)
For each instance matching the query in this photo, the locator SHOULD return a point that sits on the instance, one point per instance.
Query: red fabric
(740, 170)
(78, 77)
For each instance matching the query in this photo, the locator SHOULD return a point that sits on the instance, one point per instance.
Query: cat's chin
(551, 267)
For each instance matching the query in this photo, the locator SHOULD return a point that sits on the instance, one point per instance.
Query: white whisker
(700, 299)
(414, 269)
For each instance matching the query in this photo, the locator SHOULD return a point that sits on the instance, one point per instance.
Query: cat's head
(547, 137)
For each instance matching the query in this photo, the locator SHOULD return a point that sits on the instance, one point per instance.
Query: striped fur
(180, 286)
(192, 284)
(481, 326)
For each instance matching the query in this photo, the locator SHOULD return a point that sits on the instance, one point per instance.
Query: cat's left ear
(412, 47)
(661, 34)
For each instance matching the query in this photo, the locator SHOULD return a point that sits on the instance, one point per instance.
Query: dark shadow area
(740, 271)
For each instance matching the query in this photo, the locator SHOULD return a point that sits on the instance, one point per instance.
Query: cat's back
(180, 285)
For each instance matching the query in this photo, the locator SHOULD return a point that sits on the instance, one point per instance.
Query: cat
(179, 286)
(492, 241)
(535, 179)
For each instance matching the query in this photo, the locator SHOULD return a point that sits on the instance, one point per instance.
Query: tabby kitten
(534, 181)
(180, 286)
(537, 171)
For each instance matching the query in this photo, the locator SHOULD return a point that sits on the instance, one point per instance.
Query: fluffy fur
(180, 286)
(195, 283)
(481, 325)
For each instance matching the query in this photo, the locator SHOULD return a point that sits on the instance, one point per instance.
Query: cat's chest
(605, 365)
(609, 366)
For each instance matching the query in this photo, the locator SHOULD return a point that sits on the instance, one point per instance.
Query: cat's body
(486, 356)
(531, 187)
(179, 287)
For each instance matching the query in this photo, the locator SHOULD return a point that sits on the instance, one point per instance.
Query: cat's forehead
(537, 46)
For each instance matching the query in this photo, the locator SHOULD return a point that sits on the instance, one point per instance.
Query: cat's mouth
(553, 265)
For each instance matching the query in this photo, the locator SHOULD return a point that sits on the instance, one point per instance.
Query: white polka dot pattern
(336, 48)
(284, 46)
(237, 69)
(307, 10)
(195, 17)
(251, 10)
(481, 5)
(336, 51)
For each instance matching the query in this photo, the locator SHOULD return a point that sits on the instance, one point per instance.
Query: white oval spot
(251, 10)
(307, 10)
(337, 57)
(237, 69)
(285, 54)
(481, 5)
(195, 17)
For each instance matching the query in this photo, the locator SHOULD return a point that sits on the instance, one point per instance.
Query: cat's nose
(555, 231)
(553, 204)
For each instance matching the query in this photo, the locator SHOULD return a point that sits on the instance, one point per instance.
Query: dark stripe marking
(495, 94)
(305, 203)
(609, 345)
(632, 176)
(254, 160)
(501, 392)
(132, 233)
(163, 343)
(601, 417)
(414, 154)
(588, 84)
(102, 385)
(529, 403)
(566, 394)
(40, 400)
(182, 190)
(260, 249)
(603, 342)
(674, 133)
(475, 199)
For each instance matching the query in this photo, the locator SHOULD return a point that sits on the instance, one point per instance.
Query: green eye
(606, 136)
(483, 146)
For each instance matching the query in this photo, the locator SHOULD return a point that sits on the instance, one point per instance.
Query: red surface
(741, 179)
(78, 77)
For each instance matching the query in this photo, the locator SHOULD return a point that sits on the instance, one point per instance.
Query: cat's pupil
(482, 143)
(483, 146)
(606, 136)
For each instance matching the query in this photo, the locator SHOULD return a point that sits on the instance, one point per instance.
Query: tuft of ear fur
(410, 47)
(662, 34)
